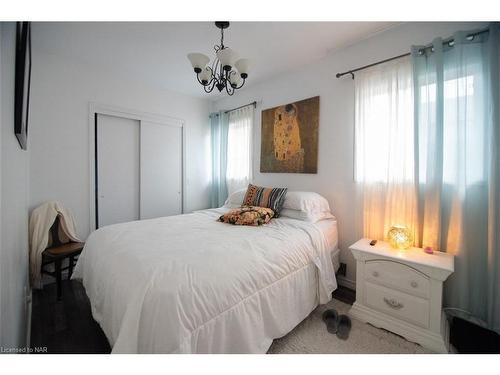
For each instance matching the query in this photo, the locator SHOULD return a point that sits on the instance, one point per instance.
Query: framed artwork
(22, 83)
(289, 138)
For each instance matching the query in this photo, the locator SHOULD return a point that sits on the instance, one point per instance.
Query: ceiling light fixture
(225, 72)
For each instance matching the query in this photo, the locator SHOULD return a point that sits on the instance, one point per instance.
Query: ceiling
(155, 52)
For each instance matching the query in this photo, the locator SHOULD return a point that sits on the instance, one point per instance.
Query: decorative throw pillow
(272, 198)
(248, 215)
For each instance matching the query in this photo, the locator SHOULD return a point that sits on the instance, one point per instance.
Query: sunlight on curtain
(456, 99)
(384, 147)
(239, 149)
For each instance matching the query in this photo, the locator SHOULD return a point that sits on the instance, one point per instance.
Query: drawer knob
(375, 274)
(414, 284)
(392, 303)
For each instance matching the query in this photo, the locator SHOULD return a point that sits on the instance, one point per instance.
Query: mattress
(190, 284)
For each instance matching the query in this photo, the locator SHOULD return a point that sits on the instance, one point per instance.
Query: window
(384, 130)
(239, 149)
(463, 127)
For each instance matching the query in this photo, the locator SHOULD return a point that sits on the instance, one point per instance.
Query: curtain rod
(241, 106)
(445, 42)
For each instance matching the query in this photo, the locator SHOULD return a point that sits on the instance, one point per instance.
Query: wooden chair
(56, 253)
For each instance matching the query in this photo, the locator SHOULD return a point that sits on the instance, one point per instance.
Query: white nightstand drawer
(397, 275)
(400, 305)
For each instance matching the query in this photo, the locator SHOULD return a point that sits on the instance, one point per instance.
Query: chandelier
(225, 72)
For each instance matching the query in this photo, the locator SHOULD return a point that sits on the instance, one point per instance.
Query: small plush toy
(428, 250)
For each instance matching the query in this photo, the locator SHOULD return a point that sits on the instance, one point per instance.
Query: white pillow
(307, 201)
(306, 216)
(307, 206)
(235, 200)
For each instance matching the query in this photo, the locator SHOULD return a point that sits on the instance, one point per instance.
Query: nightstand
(401, 291)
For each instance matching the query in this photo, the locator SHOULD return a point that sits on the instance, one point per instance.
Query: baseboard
(348, 283)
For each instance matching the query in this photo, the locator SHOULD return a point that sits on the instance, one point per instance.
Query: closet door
(118, 176)
(160, 170)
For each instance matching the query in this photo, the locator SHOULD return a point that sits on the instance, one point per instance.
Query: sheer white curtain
(239, 149)
(384, 147)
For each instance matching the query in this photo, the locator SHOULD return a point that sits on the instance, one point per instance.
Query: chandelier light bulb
(205, 75)
(198, 61)
(242, 65)
(226, 57)
(234, 78)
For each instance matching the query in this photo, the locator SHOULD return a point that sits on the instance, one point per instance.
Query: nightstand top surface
(412, 255)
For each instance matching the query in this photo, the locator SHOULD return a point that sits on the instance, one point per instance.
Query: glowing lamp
(400, 237)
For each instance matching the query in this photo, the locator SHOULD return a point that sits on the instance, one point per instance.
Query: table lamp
(400, 237)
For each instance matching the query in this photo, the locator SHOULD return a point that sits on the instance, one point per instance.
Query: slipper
(331, 319)
(344, 327)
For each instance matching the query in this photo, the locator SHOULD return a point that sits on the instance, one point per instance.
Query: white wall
(59, 134)
(334, 179)
(14, 205)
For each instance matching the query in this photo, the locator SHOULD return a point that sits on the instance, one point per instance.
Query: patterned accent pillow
(248, 215)
(272, 198)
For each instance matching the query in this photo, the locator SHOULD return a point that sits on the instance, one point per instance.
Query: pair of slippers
(336, 324)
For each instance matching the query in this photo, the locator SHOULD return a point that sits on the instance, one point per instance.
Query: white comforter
(187, 283)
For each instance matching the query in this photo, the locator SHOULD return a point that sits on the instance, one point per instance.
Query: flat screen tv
(22, 83)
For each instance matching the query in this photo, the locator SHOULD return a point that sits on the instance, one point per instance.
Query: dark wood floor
(344, 294)
(67, 326)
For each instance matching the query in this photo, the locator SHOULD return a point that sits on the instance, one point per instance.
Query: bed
(190, 284)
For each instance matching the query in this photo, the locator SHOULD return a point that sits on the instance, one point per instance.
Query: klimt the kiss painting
(290, 138)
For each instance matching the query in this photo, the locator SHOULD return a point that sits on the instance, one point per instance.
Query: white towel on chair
(41, 220)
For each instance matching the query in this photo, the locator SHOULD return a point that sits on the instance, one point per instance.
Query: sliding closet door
(118, 176)
(160, 170)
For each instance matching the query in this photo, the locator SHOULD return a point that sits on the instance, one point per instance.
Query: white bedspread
(187, 283)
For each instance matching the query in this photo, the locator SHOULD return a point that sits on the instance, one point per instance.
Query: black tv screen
(22, 83)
